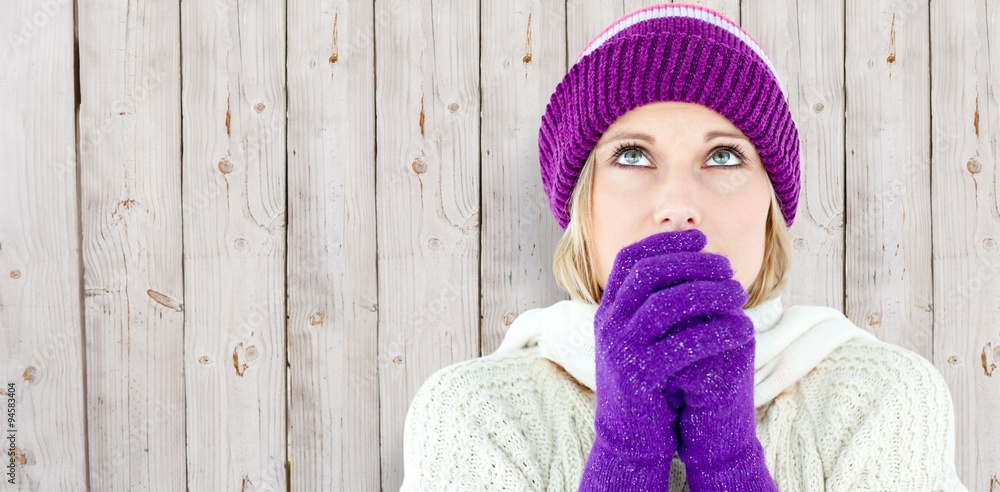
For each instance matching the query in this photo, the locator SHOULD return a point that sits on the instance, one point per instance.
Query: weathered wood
(332, 320)
(41, 335)
(130, 185)
(966, 225)
(427, 196)
(233, 103)
(888, 227)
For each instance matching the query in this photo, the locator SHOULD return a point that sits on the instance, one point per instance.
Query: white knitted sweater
(836, 408)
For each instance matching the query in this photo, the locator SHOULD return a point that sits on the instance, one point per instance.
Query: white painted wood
(233, 104)
(964, 69)
(41, 336)
(805, 42)
(427, 195)
(888, 229)
(523, 58)
(130, 185)
(332, 319)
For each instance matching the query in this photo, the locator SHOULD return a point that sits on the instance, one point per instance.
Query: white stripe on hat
(681, 10)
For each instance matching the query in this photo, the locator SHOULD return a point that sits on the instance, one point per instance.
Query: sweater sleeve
(459, 435)
(891, 423)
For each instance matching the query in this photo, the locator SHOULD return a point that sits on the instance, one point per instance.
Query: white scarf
(789, 342)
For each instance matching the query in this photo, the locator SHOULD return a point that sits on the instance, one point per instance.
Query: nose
(679, 219)
(676, 209)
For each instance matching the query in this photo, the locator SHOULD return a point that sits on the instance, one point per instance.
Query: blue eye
(632, 156)
(628, 154)
(722, 156)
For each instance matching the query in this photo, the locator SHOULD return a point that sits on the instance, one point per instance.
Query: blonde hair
(574, 267)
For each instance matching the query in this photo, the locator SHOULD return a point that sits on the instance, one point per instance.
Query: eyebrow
(632, 136)
(648, 138)
(715, 134)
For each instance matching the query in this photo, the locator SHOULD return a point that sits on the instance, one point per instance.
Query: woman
(671, 160)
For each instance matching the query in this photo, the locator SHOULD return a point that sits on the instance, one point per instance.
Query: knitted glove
(718, 433)
(655, 284)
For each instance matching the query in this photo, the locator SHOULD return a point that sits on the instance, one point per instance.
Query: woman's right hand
(644, 334)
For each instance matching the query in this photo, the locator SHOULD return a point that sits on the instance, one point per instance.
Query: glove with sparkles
(655, 284)
(718, 432)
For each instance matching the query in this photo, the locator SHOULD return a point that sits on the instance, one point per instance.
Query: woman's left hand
(718, 434)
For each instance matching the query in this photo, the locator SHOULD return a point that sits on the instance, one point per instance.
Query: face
(670, 166)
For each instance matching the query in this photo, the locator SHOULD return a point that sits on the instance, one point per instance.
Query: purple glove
(718, 433)
(657, 285)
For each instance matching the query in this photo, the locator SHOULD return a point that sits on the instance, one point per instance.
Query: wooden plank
(523, 58)
(428, 192)
(41, 336)
(130, 185)
(332, 337)
(888, 231)
(233, 103)
(966, 229)
(805, 42)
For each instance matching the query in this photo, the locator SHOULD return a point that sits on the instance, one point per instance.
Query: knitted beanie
(671, 52)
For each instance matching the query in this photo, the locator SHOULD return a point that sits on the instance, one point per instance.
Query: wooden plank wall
(41, 285)
(134, 303)
(966, 223)
(233, 171)
(236, 236)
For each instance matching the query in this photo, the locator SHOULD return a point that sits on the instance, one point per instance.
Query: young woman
(671, 160)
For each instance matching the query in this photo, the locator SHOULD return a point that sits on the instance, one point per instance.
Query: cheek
(733, 183)
(743, 194)
(747, 260)
(746, 226)
(618, 196)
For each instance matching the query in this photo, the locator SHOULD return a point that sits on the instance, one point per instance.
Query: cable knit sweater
(837, 409)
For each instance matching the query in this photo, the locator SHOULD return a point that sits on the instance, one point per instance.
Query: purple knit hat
(671, 52)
